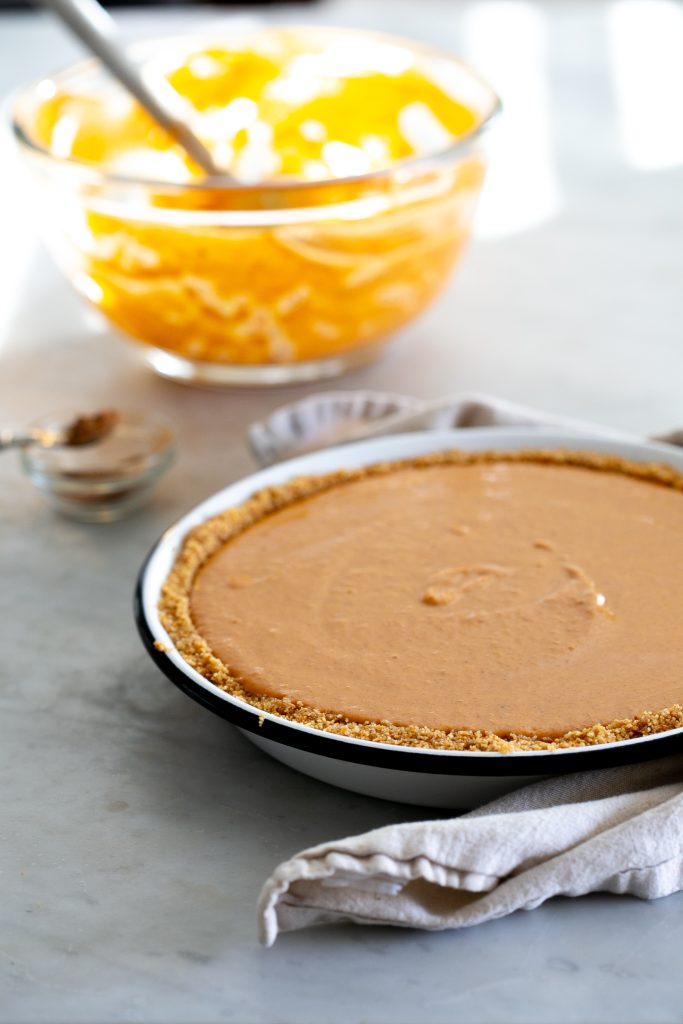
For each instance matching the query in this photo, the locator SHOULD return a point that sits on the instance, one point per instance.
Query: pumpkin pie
(463, 601)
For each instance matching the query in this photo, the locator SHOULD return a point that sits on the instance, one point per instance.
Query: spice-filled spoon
(81, 430)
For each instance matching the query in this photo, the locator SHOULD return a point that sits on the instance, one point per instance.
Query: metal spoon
(82, 430)
(97, 29)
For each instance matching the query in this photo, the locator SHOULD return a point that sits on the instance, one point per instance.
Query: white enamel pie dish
(433, 778)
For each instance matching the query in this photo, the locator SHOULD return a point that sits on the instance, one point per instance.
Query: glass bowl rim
(455, 150)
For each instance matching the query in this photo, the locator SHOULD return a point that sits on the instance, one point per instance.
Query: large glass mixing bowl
(255, 282)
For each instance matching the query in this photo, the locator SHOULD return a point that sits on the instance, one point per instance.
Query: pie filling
(467, 601)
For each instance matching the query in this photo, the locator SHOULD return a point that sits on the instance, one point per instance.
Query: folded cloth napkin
(617, 830)
(335, 416)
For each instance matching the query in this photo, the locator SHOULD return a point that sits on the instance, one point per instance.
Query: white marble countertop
(137, 828)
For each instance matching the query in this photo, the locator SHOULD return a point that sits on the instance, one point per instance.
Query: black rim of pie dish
(375, 755)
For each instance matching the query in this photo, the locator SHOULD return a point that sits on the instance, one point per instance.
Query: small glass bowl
(105, 481)
(264, 284)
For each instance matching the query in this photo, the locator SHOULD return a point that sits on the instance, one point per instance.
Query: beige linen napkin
(617, 830)
(334, 416)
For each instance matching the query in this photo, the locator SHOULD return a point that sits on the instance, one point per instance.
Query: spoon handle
(88, 20)
(15, 439)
